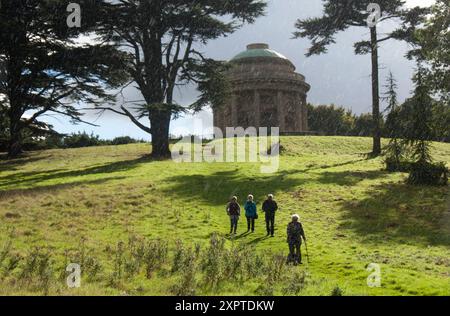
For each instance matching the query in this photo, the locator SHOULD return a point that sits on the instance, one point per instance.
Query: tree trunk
(376, 151)
(160, 124)
(15, 141)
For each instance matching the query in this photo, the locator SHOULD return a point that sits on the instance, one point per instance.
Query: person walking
(295, 233)
(234, 211)
(250, 213)
(269, 207)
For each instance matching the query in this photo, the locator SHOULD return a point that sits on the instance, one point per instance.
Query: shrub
(155, 256)
(80, 140)
(4, 253)
(296, 283)
(178, 257)
(213, 261)
(90, 266)
(118, 265)
(426, 173)
(274, 267)
(337, 291)
(393, 165)
(187, 284)
(38, 269)
(124, 140)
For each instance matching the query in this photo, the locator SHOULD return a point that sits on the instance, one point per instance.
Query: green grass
(353, 212)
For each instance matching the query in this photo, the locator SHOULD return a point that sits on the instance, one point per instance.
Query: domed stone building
(266, 92)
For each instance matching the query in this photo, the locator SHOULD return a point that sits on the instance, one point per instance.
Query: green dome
(258, 50)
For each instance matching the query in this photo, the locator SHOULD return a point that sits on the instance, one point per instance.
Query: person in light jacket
(250, 213)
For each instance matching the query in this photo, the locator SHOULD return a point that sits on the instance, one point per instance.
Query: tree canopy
(434, 43)
(340, 15)
(164, 40)
(45, 70)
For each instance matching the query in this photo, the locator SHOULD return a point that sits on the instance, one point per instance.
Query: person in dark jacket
(234, 211)
(295, 233)
(250, 213)
(269, 207)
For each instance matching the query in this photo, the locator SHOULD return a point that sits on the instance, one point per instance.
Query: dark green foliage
(76, 140)
(338, 16)
(418, 125)
(331, 120)
(426, 173)
(4, 131)
(337, 291)
(363, 125)
(80, 140)
(43, 71)
(441, 122)
(162, 39)
(433, 43)
(399, 120)
(124, 140)
(412, 128)
(396, 165)
(35, 136)
(395, 150)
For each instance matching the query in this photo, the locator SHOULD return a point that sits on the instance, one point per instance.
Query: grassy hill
(123, 216)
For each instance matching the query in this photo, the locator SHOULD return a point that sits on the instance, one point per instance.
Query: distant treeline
(328, 120)
(331, 120)
(75, 140)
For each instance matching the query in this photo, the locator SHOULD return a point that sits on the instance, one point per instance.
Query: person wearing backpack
(250, 213)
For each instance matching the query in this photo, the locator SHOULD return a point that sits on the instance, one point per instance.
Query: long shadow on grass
(4, 194)
(217, 187)
(34, 178)
(400, 213)
(340, 164)
(14, 164)
(350, 178)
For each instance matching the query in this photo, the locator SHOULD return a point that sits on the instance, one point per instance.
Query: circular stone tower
(266, 92)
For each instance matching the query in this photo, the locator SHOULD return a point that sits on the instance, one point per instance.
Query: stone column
(299, 109)
(305, 114)
(221, 118)
(281, 112)
(257, 110)
(218, 117)
(234, 118)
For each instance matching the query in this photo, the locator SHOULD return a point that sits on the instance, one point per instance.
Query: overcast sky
(338, 77)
